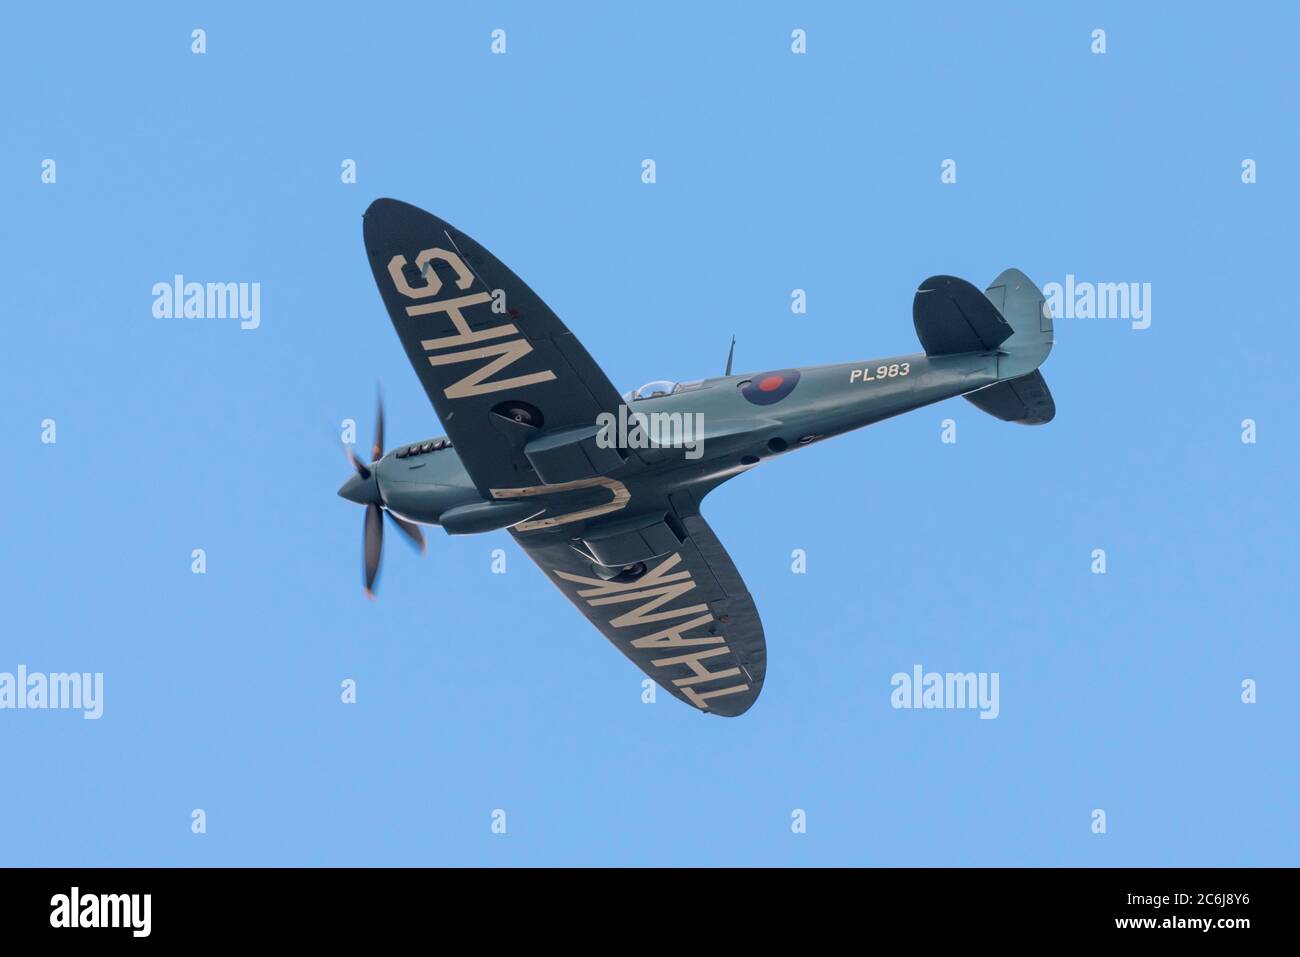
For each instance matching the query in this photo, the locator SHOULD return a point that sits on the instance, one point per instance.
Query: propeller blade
(377, 450)
(374, 545)
(356, 462)
(410, 530)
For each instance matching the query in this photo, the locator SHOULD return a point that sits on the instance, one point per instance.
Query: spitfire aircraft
(538, 442)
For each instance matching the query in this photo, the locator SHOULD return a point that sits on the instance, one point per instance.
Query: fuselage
(699, 434)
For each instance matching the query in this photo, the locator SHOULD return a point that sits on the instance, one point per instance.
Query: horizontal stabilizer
(1026, 400)
(952, 316)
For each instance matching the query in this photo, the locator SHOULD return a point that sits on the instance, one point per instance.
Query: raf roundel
(770, 387)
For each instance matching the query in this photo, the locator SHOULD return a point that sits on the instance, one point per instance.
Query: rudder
(1024, 309)
(1024, 396)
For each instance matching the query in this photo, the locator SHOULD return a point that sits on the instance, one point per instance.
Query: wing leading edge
(687, 621)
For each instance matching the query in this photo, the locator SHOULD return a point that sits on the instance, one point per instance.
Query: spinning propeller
(363, 488)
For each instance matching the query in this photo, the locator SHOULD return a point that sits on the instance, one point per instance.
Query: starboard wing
(498, 365)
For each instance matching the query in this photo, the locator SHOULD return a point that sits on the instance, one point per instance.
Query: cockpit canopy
(651, 390)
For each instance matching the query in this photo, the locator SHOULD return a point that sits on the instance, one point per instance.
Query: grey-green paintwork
(824, 403)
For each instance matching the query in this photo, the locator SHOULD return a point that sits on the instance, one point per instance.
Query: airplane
(614, 520)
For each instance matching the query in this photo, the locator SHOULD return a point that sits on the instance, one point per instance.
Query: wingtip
(387, 221)
(379, 204)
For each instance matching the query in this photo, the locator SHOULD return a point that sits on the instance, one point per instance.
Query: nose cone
(359, 490)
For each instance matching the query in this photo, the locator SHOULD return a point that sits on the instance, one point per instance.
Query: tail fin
(1018, 300)
(1009, 319)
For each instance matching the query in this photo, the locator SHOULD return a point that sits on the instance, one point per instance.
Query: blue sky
(775, 171)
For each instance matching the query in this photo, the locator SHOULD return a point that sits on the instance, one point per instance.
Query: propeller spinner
(363, 488)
